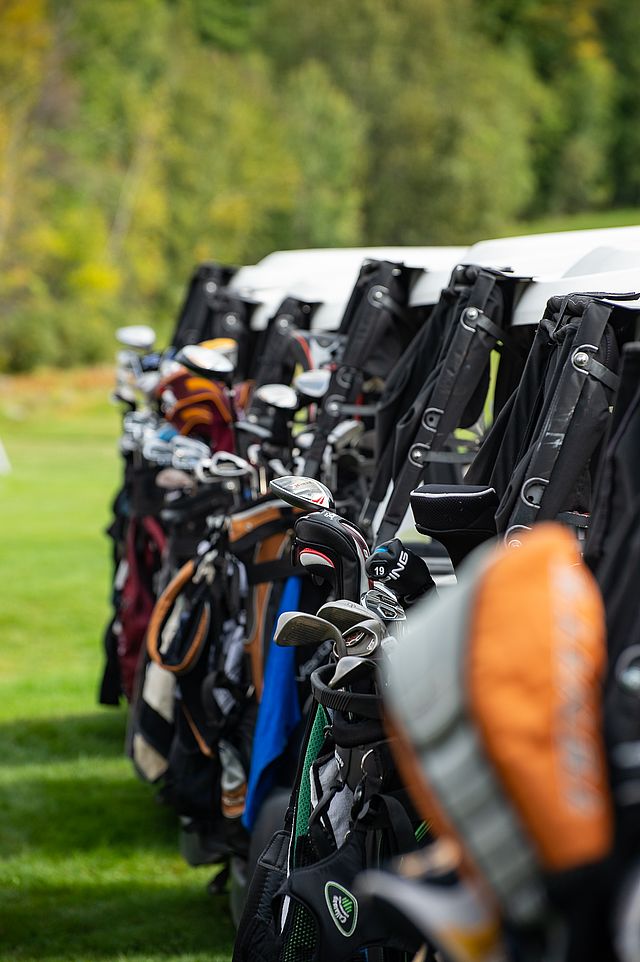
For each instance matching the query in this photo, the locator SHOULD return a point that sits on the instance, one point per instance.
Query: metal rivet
(231, 320)
(282, 323)
(472, 313)
(396, 272)
(580, 359)
(211, 287)
(378, 295)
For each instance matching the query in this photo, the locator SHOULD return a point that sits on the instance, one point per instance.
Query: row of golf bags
(373, 603)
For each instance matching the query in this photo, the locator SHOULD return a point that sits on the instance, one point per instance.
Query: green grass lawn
(89, 868)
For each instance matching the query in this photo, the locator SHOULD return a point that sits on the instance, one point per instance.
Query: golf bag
(612, 551)
(441, 384)
(139, 543)
(377, 326)
(348, 811)
(198, 319)
(496, 702)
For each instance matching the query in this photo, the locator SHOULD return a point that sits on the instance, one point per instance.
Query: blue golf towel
(278, 714)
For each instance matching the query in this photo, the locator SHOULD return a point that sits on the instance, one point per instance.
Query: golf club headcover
(401, 569)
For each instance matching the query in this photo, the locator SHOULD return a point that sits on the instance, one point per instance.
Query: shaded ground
(89, 868)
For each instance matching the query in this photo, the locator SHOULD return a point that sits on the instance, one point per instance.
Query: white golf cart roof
(547, 258)
(603, 270)
(324, 276)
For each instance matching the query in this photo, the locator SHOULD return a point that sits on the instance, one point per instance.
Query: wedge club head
(351, 668)
(297, 628)
(365, 638)
(343, 614)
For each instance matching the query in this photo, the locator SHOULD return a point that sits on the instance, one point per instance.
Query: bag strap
(363, 336)
(566, 398)
(474, 338)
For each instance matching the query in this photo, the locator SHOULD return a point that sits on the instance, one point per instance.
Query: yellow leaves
(94, 280)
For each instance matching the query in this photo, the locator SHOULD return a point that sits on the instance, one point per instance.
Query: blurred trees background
(140, 136)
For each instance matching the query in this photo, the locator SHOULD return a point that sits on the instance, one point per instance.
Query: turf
(89, 867)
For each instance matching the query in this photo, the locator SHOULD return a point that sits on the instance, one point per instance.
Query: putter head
(278, 396)
(203, 361)
(351, 668)
(343, 614)
(297, 628)
(307, 493)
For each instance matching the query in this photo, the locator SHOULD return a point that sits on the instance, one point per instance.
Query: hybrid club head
(297, 628)
(307, 493)
(351, 668)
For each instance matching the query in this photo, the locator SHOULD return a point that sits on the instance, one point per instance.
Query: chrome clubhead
(203, 361)
(278, 396)
(351, 668)
(383, 603)
(297, 628)
(365, 638)
(313, 384)
(343, 614)
(307, 493)
(137, 337)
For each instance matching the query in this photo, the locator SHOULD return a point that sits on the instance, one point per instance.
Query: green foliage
(139, 138)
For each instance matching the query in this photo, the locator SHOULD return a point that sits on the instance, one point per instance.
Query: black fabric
(540, 455)
(475, 312)
(613, 551)
(378, 326)
(256, 939)
(194, 318)
(307, 886)
(329, 534)
(275, 355)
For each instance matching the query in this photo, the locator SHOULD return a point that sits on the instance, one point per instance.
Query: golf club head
(173, 479)
(159, 452)
(297, 628)
(365, 638)
(383, 603)
(307, 493)
(278, 396)
(203, 361)
(351, 668)
(137, 337)
(343, 614)
(346, 433)
(313, 384)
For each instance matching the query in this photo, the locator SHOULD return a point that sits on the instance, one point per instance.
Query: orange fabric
(161, 611)
(244, 523)
(268, 550)
(536, 656)
(197, 734)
